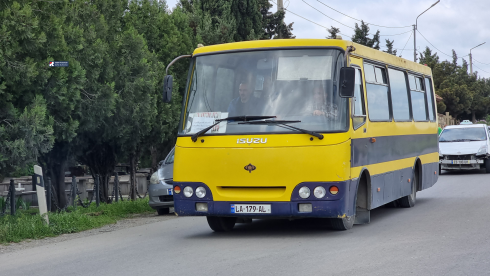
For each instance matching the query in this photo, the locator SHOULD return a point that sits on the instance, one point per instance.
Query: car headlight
(188, 191)
(304, 192)
(482, 150)
(200, 192)
(319, 192)
(154, 178)
(157, 176)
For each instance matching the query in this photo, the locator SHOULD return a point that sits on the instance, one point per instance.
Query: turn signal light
(334, 190)
(177, 189)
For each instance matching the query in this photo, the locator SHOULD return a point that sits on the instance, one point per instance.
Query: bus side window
(377, 94)
(359, 109)
(419, 107)
(399, 95)
(430, 99)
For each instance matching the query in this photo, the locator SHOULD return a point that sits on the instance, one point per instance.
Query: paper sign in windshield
(304, 67)
(201, 120)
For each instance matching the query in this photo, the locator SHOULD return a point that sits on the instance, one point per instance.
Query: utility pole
(414, 44)
(415, 30)
(471, 64)
(471, 58)
(280, 7)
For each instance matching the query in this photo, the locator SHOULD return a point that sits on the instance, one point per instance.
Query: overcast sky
(451, 24)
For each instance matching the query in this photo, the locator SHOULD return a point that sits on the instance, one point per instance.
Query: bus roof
(361, 50)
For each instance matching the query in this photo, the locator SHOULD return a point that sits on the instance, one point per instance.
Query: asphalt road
(446, 233)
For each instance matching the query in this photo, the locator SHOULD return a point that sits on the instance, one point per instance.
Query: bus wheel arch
(418, 167)
(408, 201)
(363, 197)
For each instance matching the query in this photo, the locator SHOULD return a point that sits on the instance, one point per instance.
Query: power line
(327, 15)
(310, 20)
(347, 25)
(481, 62)
(361, 20)
(406, 43)
(481, 69)
(432, 44)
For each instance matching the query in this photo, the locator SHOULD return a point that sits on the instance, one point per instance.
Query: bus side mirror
(347, 80)
(167, 88)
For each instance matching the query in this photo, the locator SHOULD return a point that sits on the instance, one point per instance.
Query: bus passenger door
(358, 106)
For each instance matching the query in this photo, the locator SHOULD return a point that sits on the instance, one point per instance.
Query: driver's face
(245, 92)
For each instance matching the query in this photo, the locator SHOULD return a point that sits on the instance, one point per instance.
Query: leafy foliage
(333, 32)
(389, 46)
(464, 94)
(361, 36)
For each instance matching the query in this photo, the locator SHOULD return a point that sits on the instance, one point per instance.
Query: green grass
(28, 224)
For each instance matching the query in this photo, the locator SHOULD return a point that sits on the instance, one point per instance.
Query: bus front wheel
(342, 224)
(221, 224)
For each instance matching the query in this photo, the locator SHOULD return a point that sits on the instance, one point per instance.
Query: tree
(28, 76)
(428, 58)
(23, 137)
(212, 22)
(361, 36)
(333, 32)
(389, 45)
(273, 25)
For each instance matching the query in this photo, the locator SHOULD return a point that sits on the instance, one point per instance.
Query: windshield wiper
(283, 123)
(234, 118)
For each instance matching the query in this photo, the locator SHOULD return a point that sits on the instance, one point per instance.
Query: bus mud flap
(362, 216)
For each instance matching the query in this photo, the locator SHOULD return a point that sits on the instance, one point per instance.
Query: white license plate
(250, 208)
(460, 161)
(170, 191)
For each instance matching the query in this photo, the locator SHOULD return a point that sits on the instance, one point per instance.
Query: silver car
(161, 185)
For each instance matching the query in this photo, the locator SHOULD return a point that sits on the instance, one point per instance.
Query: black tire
(221, 224)
(342, 224)
(409, 200)
(440, 170)
(487, 165)
(163, 211)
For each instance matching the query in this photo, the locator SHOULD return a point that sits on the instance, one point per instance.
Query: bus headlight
(319, 192)
(188, 191)
(304, 192)
(200, 192)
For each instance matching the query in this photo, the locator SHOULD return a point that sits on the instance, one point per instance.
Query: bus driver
(245, 104)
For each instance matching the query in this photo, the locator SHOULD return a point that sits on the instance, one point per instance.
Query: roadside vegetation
(28, 224)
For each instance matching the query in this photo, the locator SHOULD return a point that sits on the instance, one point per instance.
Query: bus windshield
(299, 85)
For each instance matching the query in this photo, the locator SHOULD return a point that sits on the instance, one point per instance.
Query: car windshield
(294, 84)
(463, 134)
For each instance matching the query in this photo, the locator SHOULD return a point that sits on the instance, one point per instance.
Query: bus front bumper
(320, 209)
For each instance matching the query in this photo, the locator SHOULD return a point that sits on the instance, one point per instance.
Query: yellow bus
(302, 128)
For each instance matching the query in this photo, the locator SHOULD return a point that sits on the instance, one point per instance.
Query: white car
(466, 122)
(464, 147)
